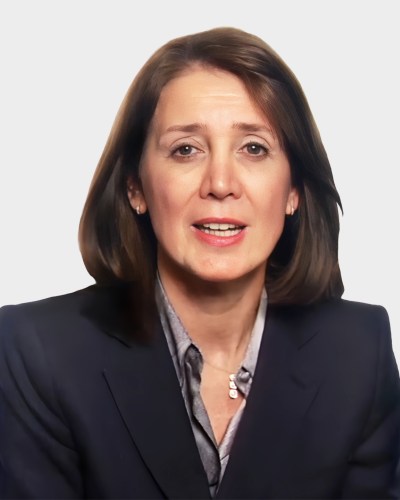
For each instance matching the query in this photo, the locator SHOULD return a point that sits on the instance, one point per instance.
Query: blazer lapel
(146, 391)
(283, 390)
(150, 402)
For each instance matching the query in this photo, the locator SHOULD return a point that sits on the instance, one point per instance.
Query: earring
(292, 211)
(138, 209)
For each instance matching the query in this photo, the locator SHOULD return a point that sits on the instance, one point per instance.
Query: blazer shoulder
(66, 320)
(356, 307)
(364, 326)
(356, 313)
(333, 311)
(18, 320)
(338, 322)
(91, 297)
(57, 306)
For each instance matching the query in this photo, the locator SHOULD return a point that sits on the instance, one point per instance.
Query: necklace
(233, 390)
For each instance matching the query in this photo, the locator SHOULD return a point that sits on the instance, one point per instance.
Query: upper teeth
(219, 227)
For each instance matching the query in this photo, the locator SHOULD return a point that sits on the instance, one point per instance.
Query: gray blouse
(188, 362)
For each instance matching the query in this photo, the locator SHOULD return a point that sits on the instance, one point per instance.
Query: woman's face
(214, 179)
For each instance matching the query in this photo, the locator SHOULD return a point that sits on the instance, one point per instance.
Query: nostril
(220, 185)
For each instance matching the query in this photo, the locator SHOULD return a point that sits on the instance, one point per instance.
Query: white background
(66, 65)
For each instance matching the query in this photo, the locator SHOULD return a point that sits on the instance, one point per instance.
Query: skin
(229, 166)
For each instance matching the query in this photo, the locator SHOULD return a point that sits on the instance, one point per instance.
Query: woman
(214, 356)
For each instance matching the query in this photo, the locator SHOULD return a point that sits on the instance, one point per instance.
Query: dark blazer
(87, 411)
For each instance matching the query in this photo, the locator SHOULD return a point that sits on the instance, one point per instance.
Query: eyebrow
(243, 126)
(252, 127)
(191, 127)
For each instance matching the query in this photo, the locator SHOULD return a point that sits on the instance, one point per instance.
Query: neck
(219, 317)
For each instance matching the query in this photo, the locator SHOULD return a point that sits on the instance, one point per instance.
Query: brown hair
(120, 247)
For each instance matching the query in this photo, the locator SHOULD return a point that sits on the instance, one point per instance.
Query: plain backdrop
(66, 65)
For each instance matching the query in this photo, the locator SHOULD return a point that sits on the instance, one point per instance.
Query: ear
(292, 201)
(135, 196)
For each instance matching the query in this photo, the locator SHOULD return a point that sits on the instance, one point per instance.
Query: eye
(184, 150)
(255, 149)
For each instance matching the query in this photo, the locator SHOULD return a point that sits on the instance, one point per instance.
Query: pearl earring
(138, 209)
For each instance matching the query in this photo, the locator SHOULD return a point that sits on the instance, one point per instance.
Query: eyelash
(265, 150)
(182, 146)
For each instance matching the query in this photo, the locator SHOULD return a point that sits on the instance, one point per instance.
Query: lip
(219, 241)
(219, 220)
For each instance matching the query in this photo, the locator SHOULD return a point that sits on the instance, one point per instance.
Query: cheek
(272, 208)
(273, 195)
(163, 201)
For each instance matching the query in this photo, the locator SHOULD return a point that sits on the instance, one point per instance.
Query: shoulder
(339, 314)
(352, 309)
(357, 335)
(334, 314)
(43, 313)
(68, 303)
(345, 309)
(59, 341)
(357, 320)
(348, 344)
(74, 306)
(20, 323)
(59, 323)
(338, 327)
(354, 316)
(363, 328)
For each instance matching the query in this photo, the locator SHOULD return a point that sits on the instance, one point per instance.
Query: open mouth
(222, 230)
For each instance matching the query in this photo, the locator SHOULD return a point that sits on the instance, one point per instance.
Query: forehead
(200, 87)
(193, 77)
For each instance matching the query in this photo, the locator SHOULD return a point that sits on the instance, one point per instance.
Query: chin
(228, 274)
(220, 277)
(212, 270)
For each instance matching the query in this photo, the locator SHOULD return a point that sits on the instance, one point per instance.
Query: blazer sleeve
(38, 458)
(374, 465)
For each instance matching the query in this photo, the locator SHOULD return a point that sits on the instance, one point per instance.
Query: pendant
(233, 393)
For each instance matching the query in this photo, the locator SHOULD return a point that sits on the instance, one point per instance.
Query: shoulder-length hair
(119, 246)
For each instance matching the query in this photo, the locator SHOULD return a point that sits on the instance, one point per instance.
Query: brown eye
(184, 150)
(256, 149)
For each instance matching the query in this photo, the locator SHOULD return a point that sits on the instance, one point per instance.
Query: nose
(220, 179)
